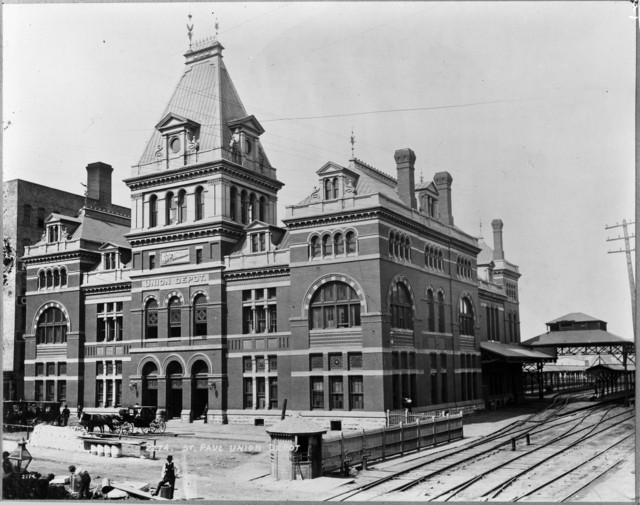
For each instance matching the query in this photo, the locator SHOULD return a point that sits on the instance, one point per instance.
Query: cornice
(203, 169)
(106, 288)
(254, 274)
(57, 257)
(138, 239)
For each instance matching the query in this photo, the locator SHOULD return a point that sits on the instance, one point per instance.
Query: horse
(91, 421)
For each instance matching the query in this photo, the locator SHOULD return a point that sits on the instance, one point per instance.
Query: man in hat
(85, 481)
(7, 467)
(65, 415)
(168, 476)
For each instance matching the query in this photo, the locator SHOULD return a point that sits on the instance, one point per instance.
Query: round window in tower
(174, 144)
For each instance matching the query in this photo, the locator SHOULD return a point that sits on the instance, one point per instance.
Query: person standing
(79, 410)
(65, 416)
(7, 467)
(168, 476)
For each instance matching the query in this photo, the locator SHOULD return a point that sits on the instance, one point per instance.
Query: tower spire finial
(189, 30)
(353, 142)
(217, 25)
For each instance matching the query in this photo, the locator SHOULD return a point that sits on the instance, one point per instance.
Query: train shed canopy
(579, 334)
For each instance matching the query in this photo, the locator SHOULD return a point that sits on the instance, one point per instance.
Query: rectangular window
(316, 362)
(434, 389)
(198, 256)
(261, 392)
(444, 390)
(50, 391)
(247, 320)
(111, 329)
(99, 393)
(248, 393)
(271, 293)
(119, 328)
(246, 364)
(62, 369)
(118, 367)
(51, 369)
(261, 316)
(329, 317)
(39, 368)
(109, 394)
(246, 295)
(317, 393)
(152, 261)
(109, 368)
(336, 393)
(62, 391)
(260, 364)
(118, 398)
(273, 318)
(433, 361)
(273, 393)
(99, 368)
(316, 317)
(273, 363)
(355, 361)
(39, 391)
(356, 393)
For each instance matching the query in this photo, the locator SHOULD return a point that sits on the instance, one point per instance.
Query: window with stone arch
(315, 247)
(262, 209)
(233, 202)
(466, 317)
(351, 243)
(334, 305)
(441, 313)
(327, 245)
(169, 208)
(182, 206)
(338, 243)
(153, 211)
(151, 319)
(431, 316)
(391, 242)
(199, 196)
(52, 327)
(200, 315)
(175, 317)
(401, 306)
(42, 281)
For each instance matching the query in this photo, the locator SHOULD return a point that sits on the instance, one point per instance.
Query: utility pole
(636, 29)
(627, 250)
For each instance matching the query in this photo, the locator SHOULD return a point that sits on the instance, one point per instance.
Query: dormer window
(258, 242)
(110, 260)
(53, 233)
(174, 144)
(331, 188)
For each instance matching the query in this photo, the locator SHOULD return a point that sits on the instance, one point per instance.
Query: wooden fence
(382, 443)
(395, 417)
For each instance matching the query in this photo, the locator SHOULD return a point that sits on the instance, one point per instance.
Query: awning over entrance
(512, 353)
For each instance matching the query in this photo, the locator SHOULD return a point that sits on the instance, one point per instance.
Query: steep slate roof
(577, 317)
(205, 94)
(486, 254)
(100, 231)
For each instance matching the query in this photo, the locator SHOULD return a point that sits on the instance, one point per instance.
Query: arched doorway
(199, 389)
(150, 384)
(174, 389)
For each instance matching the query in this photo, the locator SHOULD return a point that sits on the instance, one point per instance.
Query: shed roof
(514, 352)
(615, 367)
(577, 317)
(575, 338)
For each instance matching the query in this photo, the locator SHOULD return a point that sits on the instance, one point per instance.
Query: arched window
(52, 327)
(244, 207)
(328, 189)
(49, 279)
(327, 249)
(334, 305)
(391, 242)
(351, 242)
(42, 282)
(401, 307)
(263, 209)
(253, 209)
(169, 208)
(440, 260)
(396, 246)
(200, 316)
(335, 187)
(233, 203)
(151, 319)
(441, 316)
(466, 317)
(56, 278)
(315, 247)
(175, 318)
(153, 211)
(431, 323)
(182, 206)
(407, 254)
(338, 240)
(199, 203)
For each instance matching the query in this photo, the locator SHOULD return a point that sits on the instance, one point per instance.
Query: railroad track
(412, 474)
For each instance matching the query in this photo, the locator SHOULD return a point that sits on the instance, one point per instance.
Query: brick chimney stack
(99, 182)
(443, 182)
(405, 161)
(498, 250)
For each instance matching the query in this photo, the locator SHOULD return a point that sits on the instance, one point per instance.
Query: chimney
(498, 251)
(443, 182)
(405, 160)
(99, 182)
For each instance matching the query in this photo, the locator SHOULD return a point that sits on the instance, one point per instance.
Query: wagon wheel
(160, 426)
(126, 429)
(146, 430)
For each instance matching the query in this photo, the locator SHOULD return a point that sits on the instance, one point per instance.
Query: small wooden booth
(296, 449)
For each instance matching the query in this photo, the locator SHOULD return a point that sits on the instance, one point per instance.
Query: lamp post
(19, 457)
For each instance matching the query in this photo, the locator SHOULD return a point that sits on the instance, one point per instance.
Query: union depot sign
(180, 280)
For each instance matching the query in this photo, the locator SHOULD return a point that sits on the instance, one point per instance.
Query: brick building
(203, 305)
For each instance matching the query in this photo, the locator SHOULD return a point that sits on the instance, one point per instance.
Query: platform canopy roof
(575, 338)
(514, 353)
(611, 367)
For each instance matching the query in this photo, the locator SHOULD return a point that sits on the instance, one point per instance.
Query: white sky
(551, 154)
